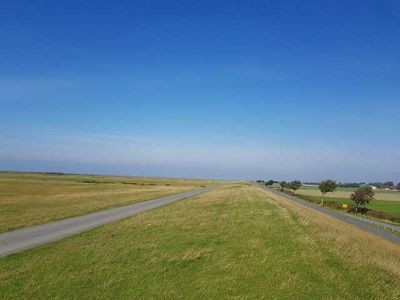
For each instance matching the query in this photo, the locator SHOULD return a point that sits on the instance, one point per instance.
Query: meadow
(31, 198)
(380, 195)
(385, 201)
(235, 242)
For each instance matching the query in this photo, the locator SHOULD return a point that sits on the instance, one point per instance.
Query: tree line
(360, 197)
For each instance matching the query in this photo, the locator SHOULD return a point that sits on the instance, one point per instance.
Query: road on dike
(29, 237)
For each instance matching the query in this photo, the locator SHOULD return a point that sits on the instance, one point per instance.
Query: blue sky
(226, 89)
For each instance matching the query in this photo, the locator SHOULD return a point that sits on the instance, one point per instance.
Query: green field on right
(385, 201)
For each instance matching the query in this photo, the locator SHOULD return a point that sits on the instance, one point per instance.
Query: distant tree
(327, 186)
(389, 184)
(398, 186)
(283, 185)
(294, 186)
(350, 184)
(362, 196)
(269, 182)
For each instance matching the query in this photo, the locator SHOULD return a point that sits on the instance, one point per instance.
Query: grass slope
(236, 242)
(27, 199)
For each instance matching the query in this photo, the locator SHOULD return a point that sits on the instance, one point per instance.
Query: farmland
(380, 195)
(28, 199)
(385, 201)
(235, 242)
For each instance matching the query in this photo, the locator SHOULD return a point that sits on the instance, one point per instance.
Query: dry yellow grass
(28, 199)
(359, 246)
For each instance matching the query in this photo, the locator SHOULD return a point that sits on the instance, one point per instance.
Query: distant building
(368, 185)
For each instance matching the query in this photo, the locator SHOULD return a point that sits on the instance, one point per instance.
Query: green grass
(28, 199)
(385, 201)
(232, 243)
(392, 207)
(381, 195)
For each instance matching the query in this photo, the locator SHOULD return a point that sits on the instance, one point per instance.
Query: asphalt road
(344, 218)
(29, 237)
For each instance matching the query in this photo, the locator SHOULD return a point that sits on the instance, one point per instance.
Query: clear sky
(226, 89)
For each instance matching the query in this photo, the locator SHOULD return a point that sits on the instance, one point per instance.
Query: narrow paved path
(342, 217)
(29, 237)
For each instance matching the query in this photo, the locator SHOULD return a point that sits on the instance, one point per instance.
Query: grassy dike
(236, 242)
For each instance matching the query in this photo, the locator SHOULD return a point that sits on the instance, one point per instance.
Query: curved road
(29, 237)
(342, 217)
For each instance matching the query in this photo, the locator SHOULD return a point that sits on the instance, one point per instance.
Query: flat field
(380, 195)
(385, 201)
(28, 199)
(236, 242)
